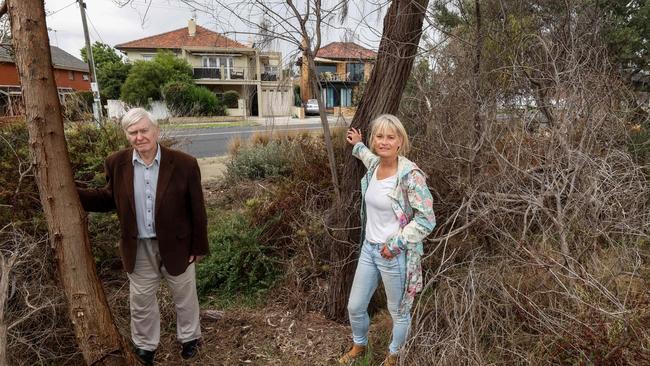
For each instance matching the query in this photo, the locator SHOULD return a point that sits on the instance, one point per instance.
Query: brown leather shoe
(391, 360)
(354, 353)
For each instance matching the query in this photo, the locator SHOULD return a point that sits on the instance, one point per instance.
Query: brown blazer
(180, 217)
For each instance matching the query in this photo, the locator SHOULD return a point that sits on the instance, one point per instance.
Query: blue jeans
(366, 279)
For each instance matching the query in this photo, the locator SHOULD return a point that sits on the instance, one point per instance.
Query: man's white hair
(134, 116)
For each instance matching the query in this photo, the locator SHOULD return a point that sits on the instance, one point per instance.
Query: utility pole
(94, 85)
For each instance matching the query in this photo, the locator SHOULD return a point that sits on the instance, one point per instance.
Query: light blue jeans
(392, 271)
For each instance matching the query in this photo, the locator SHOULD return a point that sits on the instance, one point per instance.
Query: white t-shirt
(381, 220)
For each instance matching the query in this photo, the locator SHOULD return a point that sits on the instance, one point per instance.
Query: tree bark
(397, 50)
(97, 336)
(5, 269)
(478, 101)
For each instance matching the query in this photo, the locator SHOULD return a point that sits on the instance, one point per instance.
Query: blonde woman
(396, 215)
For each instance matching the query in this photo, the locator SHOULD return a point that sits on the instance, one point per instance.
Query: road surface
(210, 142)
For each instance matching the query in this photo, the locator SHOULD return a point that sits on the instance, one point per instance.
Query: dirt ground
(212, 169)
(266, 336)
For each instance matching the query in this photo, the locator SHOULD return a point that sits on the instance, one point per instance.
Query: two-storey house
(341, 68)
(70, 75)
(222, 64)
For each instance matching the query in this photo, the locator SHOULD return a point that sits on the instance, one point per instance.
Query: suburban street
(213, 141)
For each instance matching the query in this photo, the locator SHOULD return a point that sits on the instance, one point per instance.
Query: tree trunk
(5, 269)
(478, 101)
(97, 336)
(327, 136)
(3, 344)
(383, 93)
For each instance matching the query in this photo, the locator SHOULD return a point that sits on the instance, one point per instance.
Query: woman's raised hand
(353, 136)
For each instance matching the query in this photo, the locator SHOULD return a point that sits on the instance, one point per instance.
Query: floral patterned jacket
(413, 207)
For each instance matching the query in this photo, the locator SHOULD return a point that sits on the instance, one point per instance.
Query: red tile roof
(346, 50)
(181, 38)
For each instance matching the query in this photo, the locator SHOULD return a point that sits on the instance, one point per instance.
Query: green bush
(297, 102)
(260, 161)
(185, 99)
(231, 98)
(89, 145)
(177, 97)
(19, 199)
(146, 78)
(237, 261)
(103, 229)
(206, 103)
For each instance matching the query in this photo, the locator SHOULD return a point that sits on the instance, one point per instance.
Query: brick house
(70, 73)
(342, 67)
(222, 64)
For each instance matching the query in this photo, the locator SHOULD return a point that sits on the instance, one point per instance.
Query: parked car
(311, 107)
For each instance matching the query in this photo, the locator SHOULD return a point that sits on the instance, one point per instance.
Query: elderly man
(159, 201)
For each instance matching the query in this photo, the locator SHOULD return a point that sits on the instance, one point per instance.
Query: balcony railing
(270, 73)
(235, 73)
(207, 73)
(346, 76)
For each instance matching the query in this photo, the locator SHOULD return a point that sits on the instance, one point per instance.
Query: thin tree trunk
(3, 344)
(383, 93)
(97, 336)
(478, 102)
(5, 269)
(326, 129)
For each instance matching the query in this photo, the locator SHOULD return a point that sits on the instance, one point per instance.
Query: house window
(70, 75)
(211, 61)
(346, 97)
(355, 71)
(147, 56)
(215, 62)
(86, 77)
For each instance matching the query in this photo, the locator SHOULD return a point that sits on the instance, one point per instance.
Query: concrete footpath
(288, 121)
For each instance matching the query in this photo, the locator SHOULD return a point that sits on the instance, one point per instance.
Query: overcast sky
(112, 24)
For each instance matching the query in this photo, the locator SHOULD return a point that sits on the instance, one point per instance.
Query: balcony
(270, 73)
(340, 77)
(235, 73)
(207, 73)
(224, 73)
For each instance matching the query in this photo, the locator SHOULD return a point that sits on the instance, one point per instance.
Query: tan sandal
(354, 353)
(391, 360)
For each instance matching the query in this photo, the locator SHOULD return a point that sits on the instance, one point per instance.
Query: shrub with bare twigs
(541, 254)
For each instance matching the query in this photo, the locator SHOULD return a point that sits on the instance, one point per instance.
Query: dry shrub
(39, 331)
(291, 207)
(260, 138)
(234, 145)
(541, 250)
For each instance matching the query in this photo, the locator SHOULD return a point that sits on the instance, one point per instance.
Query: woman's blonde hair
(384, 122)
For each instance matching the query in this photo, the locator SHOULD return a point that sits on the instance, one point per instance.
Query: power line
(65, 7)
(169, 6)
(95, 29)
